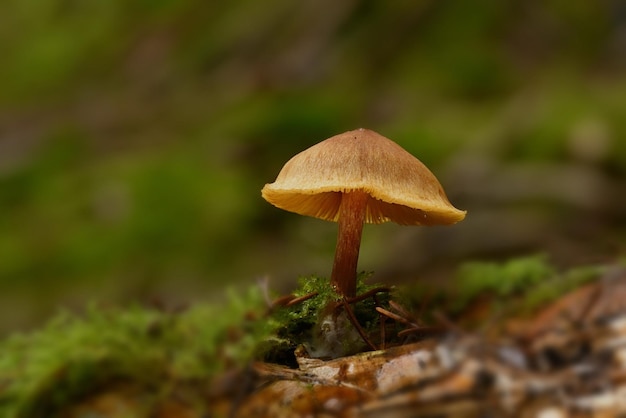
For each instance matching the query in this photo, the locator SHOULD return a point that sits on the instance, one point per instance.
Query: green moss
(520, 286)
(482, 291)
(76, 355)
(296, 324)
(500, 279)
(73, 356)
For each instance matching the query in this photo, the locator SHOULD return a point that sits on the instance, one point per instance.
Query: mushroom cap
(401, 189)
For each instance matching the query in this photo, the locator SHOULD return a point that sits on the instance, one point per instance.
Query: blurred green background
(135, 137)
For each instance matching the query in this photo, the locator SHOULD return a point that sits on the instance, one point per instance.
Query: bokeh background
(135, 137)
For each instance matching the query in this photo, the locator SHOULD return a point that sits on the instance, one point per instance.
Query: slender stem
(351, 218)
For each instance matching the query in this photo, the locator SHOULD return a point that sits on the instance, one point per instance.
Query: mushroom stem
(351, 218)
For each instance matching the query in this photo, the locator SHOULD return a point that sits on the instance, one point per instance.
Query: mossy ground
(73, 357)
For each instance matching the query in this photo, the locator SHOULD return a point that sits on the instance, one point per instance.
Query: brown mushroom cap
(401, 189)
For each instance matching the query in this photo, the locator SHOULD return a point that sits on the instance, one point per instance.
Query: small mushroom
(354, 178)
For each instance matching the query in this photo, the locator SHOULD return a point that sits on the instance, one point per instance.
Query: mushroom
(354, 178)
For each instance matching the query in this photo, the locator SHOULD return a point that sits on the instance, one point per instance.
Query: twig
(301, 299)
(359, 329)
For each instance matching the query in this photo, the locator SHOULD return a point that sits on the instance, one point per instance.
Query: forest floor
(513, 339)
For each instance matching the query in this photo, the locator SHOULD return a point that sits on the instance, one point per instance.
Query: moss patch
(74, 356)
